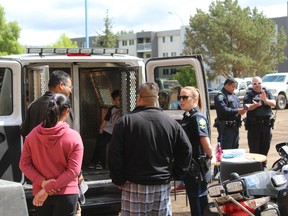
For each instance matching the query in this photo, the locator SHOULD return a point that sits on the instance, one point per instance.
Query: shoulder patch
(202, 123)
(220, 97)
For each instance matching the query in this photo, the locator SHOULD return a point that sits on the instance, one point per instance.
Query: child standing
(106, 130)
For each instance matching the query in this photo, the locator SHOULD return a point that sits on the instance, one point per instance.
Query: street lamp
(182, 31)
(178, 17)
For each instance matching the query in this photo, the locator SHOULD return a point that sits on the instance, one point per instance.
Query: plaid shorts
(152, 200)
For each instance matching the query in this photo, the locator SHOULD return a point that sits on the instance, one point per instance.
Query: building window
(173, 71)
(165, 72)
(165, 54)
(124, 43)
(131, 42)
(171, 38)
(173, 53)
(163, 39)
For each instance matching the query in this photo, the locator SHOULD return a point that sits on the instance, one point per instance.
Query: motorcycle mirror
(283, 151)
(279, 145)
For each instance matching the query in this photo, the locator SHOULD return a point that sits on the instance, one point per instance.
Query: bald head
(257, 84)
(148, 94)
(256, 79)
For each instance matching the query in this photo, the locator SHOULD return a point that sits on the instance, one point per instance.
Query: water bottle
(218, 152)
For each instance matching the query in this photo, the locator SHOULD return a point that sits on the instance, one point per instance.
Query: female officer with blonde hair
(196, 127)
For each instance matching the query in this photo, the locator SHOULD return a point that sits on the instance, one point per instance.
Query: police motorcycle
(262, 193)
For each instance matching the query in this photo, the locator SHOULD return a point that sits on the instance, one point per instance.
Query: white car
(277, 83)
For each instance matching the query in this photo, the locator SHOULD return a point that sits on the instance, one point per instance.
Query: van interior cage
(95, 87)
(95, 96)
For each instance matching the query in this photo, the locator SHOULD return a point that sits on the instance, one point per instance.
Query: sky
(42, 22)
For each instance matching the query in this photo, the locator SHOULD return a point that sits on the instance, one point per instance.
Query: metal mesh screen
(95, 94)
(89, 105)
(40, 83)
(129, 86)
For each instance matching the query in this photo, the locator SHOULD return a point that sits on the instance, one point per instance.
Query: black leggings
(58, 205)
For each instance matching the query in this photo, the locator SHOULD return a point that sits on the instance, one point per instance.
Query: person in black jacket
(59, 82)
(146, 150)
(196, 127)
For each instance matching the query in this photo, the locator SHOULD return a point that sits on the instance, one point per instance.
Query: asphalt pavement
(280, 134)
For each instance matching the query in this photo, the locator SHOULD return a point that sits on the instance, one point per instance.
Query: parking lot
(280, 134)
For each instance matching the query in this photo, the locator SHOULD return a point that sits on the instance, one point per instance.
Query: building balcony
(144, 47)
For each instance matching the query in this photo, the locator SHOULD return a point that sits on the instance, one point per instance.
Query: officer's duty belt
(260, 121)
(229, 123)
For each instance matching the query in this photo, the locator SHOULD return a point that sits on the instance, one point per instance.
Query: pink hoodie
(53, 153)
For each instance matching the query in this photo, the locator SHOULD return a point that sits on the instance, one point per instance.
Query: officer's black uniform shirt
(261, 111)
(195, 125)
(226, 105)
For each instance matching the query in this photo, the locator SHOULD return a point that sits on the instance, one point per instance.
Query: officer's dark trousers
(259, 138)
(197, 194)
(228, 136)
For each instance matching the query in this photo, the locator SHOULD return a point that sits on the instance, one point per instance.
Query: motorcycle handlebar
(278, 165)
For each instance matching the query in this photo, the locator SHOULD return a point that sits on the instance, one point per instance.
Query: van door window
(6, 99)
(170, 81)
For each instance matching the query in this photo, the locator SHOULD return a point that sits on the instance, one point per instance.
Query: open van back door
(10, 120)
(173, 73)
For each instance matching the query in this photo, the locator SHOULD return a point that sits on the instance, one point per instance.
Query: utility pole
(86, 25)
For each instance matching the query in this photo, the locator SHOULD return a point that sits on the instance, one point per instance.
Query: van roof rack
(83, 51)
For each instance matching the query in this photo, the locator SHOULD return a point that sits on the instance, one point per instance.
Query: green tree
(235, 41)
(107, 39)
(64, 42)
(186, 76)
(9, 35)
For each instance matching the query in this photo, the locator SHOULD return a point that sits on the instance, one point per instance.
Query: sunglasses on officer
(184, 97)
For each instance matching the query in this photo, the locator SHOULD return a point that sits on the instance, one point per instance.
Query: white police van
(95, 73)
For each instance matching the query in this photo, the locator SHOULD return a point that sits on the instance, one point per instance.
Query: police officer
(229, 111)
(196, 127)
(259, 120)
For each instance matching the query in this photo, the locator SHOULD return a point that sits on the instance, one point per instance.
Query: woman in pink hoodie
(52, 158)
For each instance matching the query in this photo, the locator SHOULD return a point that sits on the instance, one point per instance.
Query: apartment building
(167, 43)
(146, 44)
